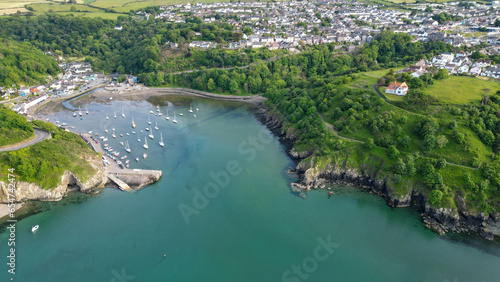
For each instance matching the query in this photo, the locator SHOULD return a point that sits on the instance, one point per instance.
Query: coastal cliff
(26, 191)
(313, 176)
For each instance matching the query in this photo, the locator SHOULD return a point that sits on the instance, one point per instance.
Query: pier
(129, 180)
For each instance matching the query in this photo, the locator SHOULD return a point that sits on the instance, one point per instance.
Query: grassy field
(12, 6)
(45, 7)
(97, 9)
(462, 90)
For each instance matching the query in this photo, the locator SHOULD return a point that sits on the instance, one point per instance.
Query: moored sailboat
(161, 140)
(145, 144)
(133, 123)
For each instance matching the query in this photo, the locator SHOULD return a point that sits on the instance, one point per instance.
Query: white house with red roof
(397, 88)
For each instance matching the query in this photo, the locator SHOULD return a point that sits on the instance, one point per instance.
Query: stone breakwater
(310, 177)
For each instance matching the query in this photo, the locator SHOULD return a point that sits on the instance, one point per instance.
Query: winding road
(40, 135)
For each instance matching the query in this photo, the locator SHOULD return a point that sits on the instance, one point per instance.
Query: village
(290, 24)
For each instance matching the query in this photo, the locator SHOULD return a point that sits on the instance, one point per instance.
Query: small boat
(156, 125)
(161, 140)
(105, 139)
(194, 116)
(127, 134)
(137, 159)
(113, 135)
(124, 157)
(86, 110)
(145, 144)
(133, 132)
(121, 143)
(167, 117)
(138, 139)
(151, 112)
(127, 161)
(64, 124)
(151, 134)
(144, 155)
(141, 131)
(180, 114)
(190, 108)
(107, 116)
(123, 114)
(102, 137)
(127, 147)
(133, 123)
(127, 166)
(35, 228)
(147, 129)
(96, 134)
(149, 121)
(105, 129)
(90, 132)
(114, 114)
(197, 109)
(105, 145)
(74, 114)
(174, 120)
(121, 135)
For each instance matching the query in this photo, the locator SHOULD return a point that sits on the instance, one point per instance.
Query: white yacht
(174, 120)
(127, 147)
(151, 134)
(145, 144)
(35, 228)
(161, 140)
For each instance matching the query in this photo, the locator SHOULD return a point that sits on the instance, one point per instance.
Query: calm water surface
(223, 212)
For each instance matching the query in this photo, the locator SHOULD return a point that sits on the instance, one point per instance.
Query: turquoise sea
(223, 211)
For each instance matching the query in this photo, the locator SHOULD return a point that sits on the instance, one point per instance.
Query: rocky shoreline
(440, 221)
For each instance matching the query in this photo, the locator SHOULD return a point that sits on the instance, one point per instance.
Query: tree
(369, 144)
(435, 197)
(441, 141)
(442, 74)
(393, 152)
(211, 85)
(381, 82)
(440, 163)
(400, 167)
(405, 142)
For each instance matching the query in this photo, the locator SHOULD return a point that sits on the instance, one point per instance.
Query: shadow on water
(34, 207)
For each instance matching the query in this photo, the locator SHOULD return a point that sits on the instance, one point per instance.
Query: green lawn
(462, 90)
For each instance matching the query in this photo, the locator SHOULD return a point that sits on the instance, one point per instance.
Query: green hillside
(23, 64)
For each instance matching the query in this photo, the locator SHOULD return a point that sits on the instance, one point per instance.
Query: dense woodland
(23, 64)
(138, 48)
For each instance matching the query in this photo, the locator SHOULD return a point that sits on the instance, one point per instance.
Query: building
(397, 88)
